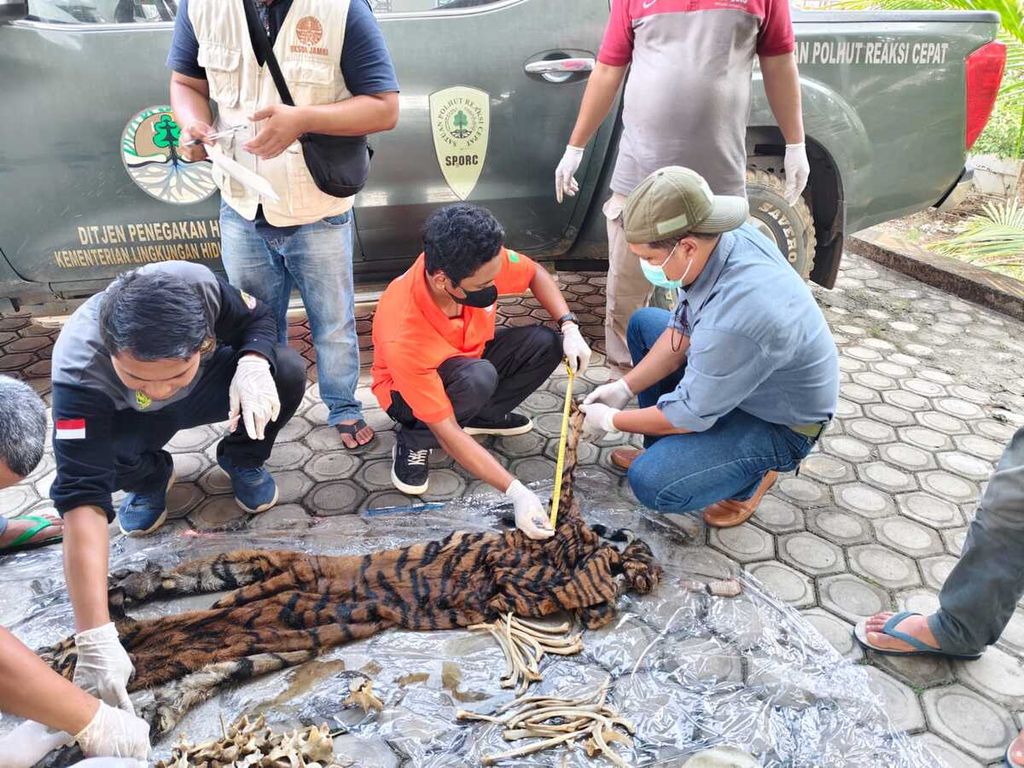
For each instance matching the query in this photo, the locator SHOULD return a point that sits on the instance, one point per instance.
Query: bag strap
(265, 51)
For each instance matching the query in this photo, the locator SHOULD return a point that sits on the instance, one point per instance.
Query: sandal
(1006, 756)
(860, 634)
(353, 429)
(24, 541)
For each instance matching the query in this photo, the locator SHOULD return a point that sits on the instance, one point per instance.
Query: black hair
(153, 316)
(459, 239)
(22, 426)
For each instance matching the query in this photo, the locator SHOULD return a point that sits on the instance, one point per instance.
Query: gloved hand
(531, 518)
(103, 667)
(253, 396)
(575, 349)
(115, 733)
(565, 180)
(598, 420)
(29, 743)
(797, 170)
(616, 394)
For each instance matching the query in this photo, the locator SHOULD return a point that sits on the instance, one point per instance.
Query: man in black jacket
(166, 347)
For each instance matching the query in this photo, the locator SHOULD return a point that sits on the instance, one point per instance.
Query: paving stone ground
(932, 388)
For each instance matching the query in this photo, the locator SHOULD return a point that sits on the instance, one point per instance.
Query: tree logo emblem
(460, 123)
(149, 150)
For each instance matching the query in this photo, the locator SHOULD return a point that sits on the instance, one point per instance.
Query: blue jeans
(686, 473)
(267, 261)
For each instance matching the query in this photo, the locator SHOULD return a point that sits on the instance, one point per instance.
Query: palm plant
(993, 239)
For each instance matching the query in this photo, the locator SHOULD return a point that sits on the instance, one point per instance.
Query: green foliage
(993, 239)
(166, 132)
(1002, 134)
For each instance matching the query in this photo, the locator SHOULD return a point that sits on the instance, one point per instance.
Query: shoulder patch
(250, 301)
(513, 257)
(69, 429)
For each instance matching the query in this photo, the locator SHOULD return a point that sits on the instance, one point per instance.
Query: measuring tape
(557, 491)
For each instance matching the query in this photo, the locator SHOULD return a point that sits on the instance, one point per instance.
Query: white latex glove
(616, 394)
(115, 733)
(565, 180)
(253, 396)
(575, 349)
(797, 170)
(531, 518)
(103, 668)
(29, 743)
(598, 420)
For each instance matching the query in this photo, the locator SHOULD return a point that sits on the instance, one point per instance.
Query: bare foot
(361, 438)
(16, 527)
(915, 626)
(1016, 753)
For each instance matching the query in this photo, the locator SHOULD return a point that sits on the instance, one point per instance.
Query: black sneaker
(512, 424)
(409, 470)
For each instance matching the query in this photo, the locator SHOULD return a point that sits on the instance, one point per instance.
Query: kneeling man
(739, 381)
(442, 372)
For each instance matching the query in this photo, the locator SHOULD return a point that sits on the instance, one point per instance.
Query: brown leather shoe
(623, 458)
(730, 512)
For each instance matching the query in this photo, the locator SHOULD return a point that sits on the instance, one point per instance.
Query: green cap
(675, 201)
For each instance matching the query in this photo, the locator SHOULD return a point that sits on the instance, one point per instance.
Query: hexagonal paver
(941, 422)
(215, 481)
(811, 554)
(884, 566)
(1012, 638)
(444, 484)
(292, 485)
(908, 537)
(874, 381)
(859, 394)
(920, 600)
(960, 409)
(953, 539)
(907, 457)
(924, 438)
(194, 439)
(899, 701)
(947, 755)
(979, 446)
(788, 585)
(847, 448)
(283, 517)
(803, 490)
(335, 465)
(919, 672)
(864, 500)
(936, 569)
(778, 516)
(886, 477)
(891, 369)
(342, 497)
(965, 465)
(296, 428)
(889, 414)
(218, 513)
(837, 632)
(923, 387)
(996, 675)
(744, 543)
(845, 410)
(908, 400)
(999, 431)
(288, 456)
(182, 499)
(821, 466)
(840, 527)
(871, 431)
(948, 486)
(974, 724)
(530, 444)
(930, 510)
(189, 466)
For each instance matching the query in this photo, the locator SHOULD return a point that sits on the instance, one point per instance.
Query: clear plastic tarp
(689, 670)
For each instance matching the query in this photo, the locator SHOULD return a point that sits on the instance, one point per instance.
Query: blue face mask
(656, 274)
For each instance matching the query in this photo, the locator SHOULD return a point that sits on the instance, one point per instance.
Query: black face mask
(480, 299)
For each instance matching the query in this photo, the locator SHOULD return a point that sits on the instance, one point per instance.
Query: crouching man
(739, 381)
(442, 372)
(166, 347)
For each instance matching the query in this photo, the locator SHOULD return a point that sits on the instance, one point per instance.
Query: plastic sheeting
(691, 671)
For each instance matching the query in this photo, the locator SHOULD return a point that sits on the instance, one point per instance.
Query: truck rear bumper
(956, 194)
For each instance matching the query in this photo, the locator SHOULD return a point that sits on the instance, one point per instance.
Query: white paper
(241, 174)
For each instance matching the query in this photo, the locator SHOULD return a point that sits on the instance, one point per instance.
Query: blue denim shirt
(758, 341)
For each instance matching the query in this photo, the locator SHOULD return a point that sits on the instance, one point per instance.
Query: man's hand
(253, 397)
(565, 180)
(103, 667)
(193, 131)
(531, 518)
(115, 733)
(29, 742)
(797, 170)
(575, 349)
(617, 394)
(598, 420)
(281, 128)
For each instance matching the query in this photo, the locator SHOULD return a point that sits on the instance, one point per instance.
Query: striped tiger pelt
(287, 607)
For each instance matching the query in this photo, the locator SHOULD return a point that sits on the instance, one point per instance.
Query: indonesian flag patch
(70, 429)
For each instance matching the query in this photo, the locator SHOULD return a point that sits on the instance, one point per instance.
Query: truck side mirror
(13, 10)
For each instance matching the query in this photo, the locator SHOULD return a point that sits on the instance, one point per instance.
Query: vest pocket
(311, 82)
(223, 72)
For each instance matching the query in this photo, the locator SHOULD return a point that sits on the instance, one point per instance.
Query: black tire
(791, 227)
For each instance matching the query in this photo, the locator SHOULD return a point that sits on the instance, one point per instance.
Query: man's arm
(548, 294)
(190, 102)
(470, 455)
(782, 87)
(86, 544)
(602, 86)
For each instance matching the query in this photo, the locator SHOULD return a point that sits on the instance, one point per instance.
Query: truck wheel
(791, 227)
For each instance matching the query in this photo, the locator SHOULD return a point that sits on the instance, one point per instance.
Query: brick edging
(969, 282)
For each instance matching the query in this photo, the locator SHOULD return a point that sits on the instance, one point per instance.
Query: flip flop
(860, 634)
(21, 543)
(1006, 755)
(353, 429)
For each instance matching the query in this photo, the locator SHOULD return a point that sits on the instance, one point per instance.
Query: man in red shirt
(442, 372)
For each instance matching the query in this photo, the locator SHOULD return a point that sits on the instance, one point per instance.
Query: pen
(216, 135)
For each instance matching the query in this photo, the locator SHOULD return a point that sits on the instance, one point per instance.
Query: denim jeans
(268, 261)
(686, 473)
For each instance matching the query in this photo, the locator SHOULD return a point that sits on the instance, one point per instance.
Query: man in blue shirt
(341, 78)
(739, 381)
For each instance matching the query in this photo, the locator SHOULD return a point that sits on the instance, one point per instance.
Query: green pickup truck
(92, 183)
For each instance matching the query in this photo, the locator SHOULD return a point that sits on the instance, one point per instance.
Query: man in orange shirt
(442, 372)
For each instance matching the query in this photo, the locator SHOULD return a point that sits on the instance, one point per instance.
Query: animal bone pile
(288, 607)
(524, 645)
(253, 745)
(558, 721)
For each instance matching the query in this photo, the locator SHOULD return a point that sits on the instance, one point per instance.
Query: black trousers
(514, 364)
(141, 463)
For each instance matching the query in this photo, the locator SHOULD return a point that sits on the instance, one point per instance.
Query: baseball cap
(675, 201)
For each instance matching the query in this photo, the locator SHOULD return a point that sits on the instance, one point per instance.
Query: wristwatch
(568, 317)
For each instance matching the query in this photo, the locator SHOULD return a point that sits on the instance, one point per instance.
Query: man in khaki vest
(341, 78)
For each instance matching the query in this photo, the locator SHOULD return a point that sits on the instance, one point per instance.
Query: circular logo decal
(149, 149)
(309, 30)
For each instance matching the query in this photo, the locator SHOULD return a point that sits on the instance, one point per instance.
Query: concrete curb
(969, 282)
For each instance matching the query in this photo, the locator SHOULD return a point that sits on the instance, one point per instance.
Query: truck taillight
(984, 74)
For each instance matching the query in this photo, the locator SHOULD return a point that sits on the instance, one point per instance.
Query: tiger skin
(288, 607)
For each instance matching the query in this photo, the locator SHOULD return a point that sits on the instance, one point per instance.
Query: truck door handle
(559, 70)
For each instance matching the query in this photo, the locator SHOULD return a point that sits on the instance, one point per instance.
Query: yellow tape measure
(557, 491)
